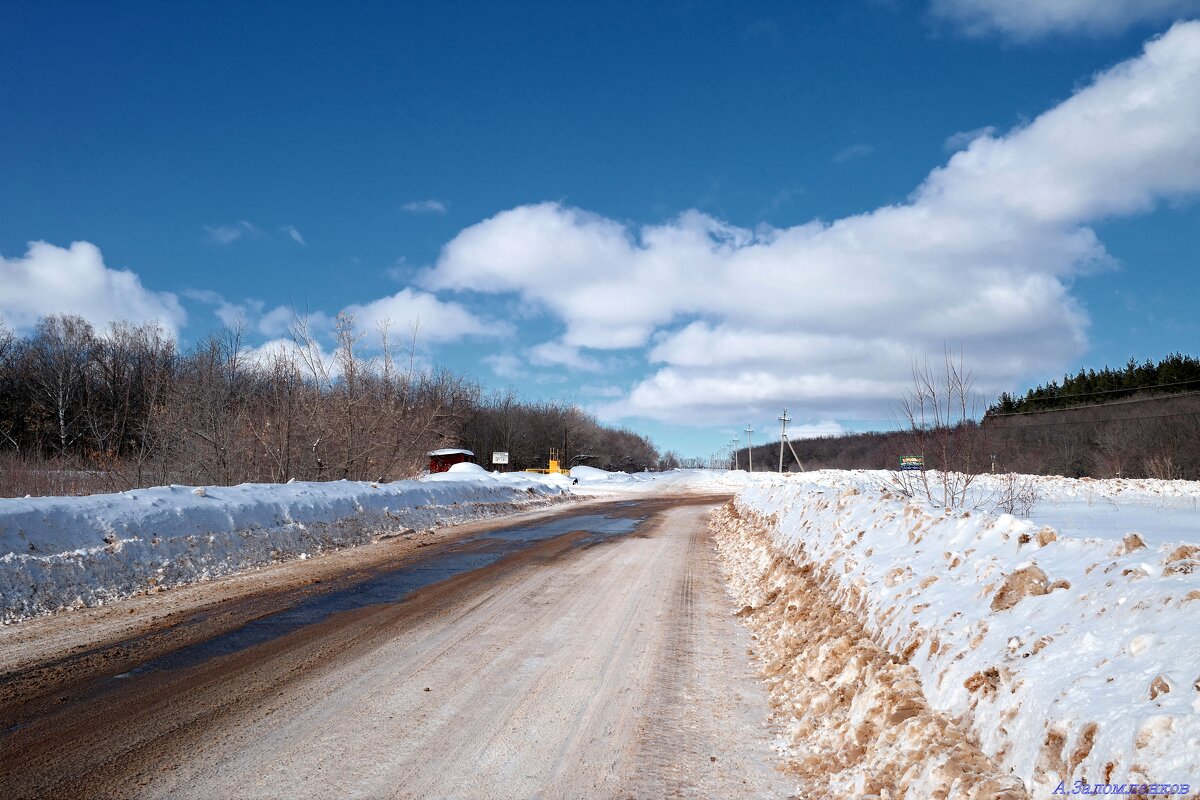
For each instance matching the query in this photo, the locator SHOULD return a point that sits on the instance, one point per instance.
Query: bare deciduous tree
(128, 410)
(940, 413)
(58, 359)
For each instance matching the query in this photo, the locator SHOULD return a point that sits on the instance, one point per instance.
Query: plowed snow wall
(61, 552)
(1068, 658)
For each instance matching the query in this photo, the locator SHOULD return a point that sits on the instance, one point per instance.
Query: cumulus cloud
(505, 365)
(229, 313)
(557, 354)
(253, 315)
(75, 280)
(279, 320)
(314, 361)
(1031, 19)
(430, 206)
(831, 314)
(266, 353)
(437, 321)
(959, 141)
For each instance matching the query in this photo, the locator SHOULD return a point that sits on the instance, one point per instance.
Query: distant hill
(1174, 374)
(1139, 421)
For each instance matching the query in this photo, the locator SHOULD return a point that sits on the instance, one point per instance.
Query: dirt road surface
(597, 658)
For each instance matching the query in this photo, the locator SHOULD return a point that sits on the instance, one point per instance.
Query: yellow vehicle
(553, 468)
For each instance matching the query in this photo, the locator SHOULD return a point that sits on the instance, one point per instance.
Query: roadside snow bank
(1067, 657)
(856, 721)
(62, 552)
(597, 482)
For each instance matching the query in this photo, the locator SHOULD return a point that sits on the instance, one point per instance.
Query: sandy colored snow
(857, 721)
(1065, 653)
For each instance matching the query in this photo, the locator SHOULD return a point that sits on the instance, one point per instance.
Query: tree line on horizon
(1175, 373)
(85, 411)
(1139, 422)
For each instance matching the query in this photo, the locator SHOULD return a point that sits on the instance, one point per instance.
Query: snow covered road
(601, 660)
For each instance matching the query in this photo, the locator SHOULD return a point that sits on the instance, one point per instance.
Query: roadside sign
(500, 458)
(912, 463)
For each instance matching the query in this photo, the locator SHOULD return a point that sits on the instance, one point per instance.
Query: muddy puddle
(395, 585)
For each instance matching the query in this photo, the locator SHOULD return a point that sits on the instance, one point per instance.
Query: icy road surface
(589, 653)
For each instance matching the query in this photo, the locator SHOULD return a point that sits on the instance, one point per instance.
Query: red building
(442, 460)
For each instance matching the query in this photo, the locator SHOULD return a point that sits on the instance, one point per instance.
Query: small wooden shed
(442, 460)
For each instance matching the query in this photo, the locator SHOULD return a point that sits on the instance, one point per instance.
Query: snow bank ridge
(62, 552)
(1068, 657)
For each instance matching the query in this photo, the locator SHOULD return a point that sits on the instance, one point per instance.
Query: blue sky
(684, 216)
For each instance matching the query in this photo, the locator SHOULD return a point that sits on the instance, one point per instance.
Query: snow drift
(1067, 656)
(62, 552)
(65, 552)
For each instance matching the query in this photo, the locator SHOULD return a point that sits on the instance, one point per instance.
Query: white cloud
(400, 272)
(309, 360)
(243, 229)
(816, 430)
(959, 141)
(505, 365)
(291, 231)
(74, 280)
(274, 323)
(601, 390)
(1031, 19)
(229, 313)
(279, 319)
(228, 234)
(437, 321)
(853, 152)
(557, 354)
(430, 206)
(831, 314)
(269, 350)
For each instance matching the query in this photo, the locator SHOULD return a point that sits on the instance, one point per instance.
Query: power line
(903, 431)
(1097, 421)
(1170, 396)
(1107, 391)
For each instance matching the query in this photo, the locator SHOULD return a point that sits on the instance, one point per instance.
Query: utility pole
(784, 420)
(749, 451)
(733, 445)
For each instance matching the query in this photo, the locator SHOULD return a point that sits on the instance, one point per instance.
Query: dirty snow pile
(62, 552)
(1068, 651)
